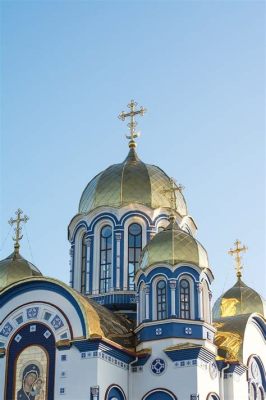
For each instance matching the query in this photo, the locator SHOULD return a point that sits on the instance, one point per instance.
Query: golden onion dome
(131, 181)
(172, 246)
(14, 268)
(238, 300)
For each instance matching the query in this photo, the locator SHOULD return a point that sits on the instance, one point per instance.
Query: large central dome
(131, 181)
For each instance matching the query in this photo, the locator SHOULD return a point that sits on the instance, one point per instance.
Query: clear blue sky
(70, 67)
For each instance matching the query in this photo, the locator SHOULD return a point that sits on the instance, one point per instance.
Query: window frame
(136, 248)
(186, 292)
(105, 253)
(162, 313)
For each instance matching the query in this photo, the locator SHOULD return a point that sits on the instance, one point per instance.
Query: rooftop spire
(172, 190)
(18, 229)
(238, 259)
(132, 124)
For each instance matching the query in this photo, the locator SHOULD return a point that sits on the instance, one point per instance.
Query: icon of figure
(38, 391)
(29, 378)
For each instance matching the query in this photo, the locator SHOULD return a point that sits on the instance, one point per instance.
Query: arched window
(134, 250)
(105, 259)
(83, 266)
(184, 291)
(161, 300)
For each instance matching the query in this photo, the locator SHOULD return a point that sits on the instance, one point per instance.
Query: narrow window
(105, 259)
(161, 300)
(83, 266)
(134, 250)
(184, 299)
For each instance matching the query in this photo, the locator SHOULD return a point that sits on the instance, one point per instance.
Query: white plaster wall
(206, 384)
(254, 343)
(81, 374)
(235, 387)
(109, 374)
(182, 381)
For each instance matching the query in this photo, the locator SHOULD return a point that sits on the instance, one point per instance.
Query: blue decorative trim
(191, 354)
(117, 300)
(141, 360)
(260, 324)
(25, 286)
(235, 367)
(115, 392)
(168, 271)
(170, 329)
(97, 344)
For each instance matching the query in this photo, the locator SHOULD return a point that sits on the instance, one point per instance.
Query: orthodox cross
(236, 254)
(18, 228)
(172, 190)
(132, 124)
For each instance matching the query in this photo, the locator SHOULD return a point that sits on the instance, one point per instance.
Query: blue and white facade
(135, 323)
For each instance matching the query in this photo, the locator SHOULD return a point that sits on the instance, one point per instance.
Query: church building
(136, 321)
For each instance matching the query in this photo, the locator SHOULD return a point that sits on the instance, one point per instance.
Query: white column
(200, 305)
(118, 237)
(88, 243)
(95, 392)
(71, 264)
(138, 309)
(147, 302)
(172, 285)
(210, 308)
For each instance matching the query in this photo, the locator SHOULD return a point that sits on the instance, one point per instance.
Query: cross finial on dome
(18, 228)
(132, 124)
(172, 190)
(238, 259)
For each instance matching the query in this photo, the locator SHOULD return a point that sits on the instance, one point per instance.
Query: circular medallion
(213, 369)
(158, 366)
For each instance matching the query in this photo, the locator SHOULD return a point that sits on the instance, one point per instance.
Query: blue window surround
(106, 262)
(118, 227)
(135, 247)
(161, 296)
(166, 272)
(115, 391)
(27, 339)
(170, 329)
(83, 265)
(162, 394)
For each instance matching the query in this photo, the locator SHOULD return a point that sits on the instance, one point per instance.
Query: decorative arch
(154, 297)
(115, 392)
(206, 301)
(213, 396)
(256, 376)
(31, 360)
(97, 254)
(162, 394)
(186, 297)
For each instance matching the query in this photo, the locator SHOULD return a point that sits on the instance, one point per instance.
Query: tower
(120, 210)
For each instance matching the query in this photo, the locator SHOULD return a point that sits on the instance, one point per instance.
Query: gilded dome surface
(238, 300)
(14, 268)
(131, 181)
(173, 246)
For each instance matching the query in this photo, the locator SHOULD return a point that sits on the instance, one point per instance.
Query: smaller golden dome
(173, 246)
(238, 300)
(14, 268)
